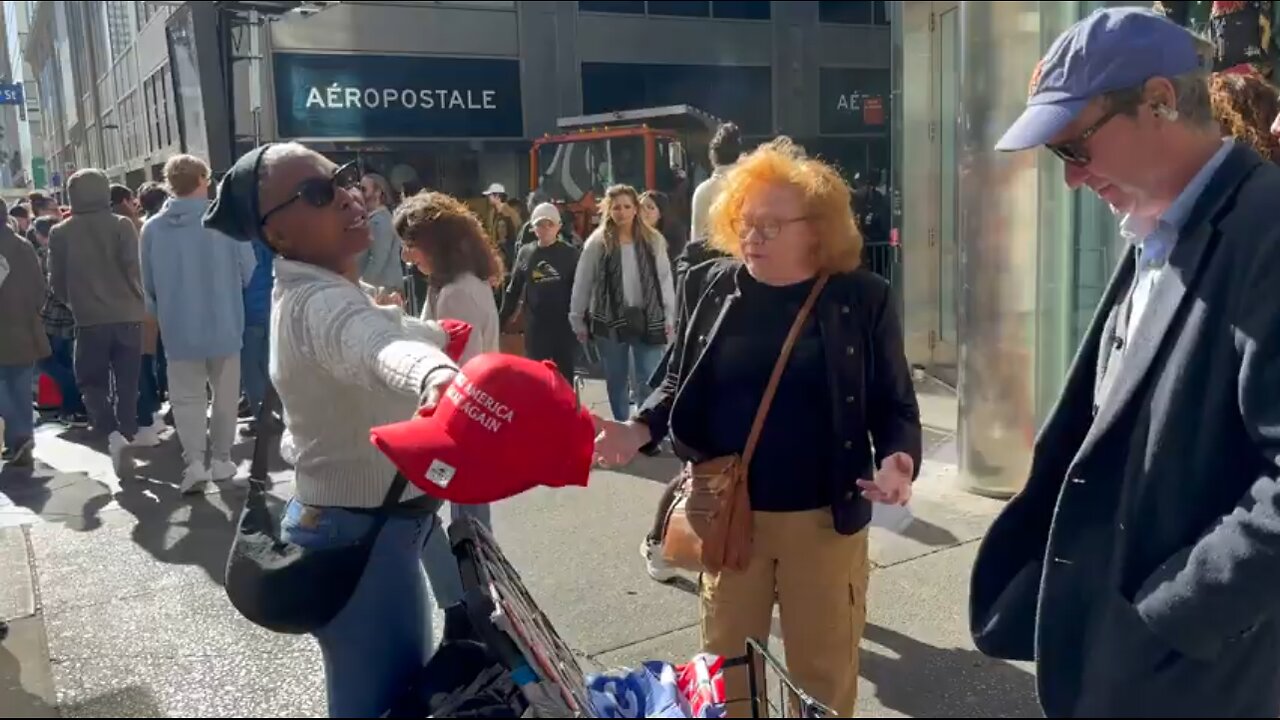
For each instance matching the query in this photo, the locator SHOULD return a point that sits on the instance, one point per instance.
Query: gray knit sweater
(342, 365)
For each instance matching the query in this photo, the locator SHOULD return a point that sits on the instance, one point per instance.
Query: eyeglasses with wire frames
(768, 228)
(319, 192)
(1076, 152)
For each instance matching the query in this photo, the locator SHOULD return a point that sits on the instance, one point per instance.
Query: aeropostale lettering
(344, 97)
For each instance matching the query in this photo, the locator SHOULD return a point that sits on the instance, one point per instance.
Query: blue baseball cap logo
(1112, 49)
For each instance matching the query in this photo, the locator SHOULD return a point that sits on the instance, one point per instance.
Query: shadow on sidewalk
(132, 701)
(180, 529)
(926, 533)
(920, 680)
(72, 499)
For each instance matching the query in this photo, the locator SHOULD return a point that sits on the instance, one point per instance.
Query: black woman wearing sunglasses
(342, 365)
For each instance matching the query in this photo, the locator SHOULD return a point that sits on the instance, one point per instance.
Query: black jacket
(872, 397)
(1140, 567)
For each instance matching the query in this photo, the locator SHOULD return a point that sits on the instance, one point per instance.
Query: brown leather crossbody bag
(708, 527)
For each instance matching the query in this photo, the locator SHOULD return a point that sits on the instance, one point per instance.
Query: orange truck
(659, 148)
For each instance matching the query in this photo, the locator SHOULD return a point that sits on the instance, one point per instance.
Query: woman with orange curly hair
(447, 243)
(1245, 106)
(789, 309)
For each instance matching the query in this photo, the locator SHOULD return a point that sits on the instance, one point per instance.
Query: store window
(680, 9)
(848, 13)
(144, 11)
(741, 94)
(118, 26)
(161, 113)
(612, 6)
(750, 10)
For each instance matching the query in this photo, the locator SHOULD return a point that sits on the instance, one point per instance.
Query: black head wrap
(235, 211)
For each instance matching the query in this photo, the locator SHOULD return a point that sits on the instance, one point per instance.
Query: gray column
(795, 68)
(542, 80)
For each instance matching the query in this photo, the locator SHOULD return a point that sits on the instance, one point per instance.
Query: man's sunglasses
(320, 192)
(1075, 152)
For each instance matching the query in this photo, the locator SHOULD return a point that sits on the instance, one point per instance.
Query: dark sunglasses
(320, 192)
(1075, 152)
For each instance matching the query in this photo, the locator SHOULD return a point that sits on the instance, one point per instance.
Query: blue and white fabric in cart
(652, 690)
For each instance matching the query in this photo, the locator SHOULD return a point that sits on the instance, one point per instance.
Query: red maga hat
(505, 425)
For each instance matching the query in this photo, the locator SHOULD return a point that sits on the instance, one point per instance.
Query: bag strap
(395, 493)
(757, 426)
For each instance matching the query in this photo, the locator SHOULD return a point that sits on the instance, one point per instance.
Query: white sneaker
(195, 479)
(658, 568)
(148, 437)
(116, 445)
(224, 470)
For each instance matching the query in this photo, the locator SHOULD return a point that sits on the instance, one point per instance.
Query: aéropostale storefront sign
(356, 97)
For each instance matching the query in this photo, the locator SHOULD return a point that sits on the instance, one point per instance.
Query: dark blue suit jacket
(1140, 567)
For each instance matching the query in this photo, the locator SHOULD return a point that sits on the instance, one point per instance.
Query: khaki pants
(819, 578)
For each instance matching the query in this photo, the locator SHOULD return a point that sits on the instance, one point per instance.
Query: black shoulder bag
(281, 586)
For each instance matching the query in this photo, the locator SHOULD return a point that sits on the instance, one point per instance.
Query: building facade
(106, 92)
(24, 165)
(450, 94)
(1003, 266)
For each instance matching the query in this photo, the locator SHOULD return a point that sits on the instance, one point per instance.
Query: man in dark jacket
(22, 342)
(1140, 567)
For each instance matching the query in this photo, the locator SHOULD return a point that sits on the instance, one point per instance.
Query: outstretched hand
(617, 443)
(892, 484)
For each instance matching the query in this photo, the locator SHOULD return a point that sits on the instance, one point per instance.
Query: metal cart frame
(808, 706)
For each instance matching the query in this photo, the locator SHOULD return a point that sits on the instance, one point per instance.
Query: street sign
(11, 94)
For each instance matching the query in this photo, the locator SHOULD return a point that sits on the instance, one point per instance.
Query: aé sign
(11, 94)
(854, 100)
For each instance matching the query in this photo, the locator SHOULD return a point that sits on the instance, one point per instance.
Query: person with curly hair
(445, 241)
(1245, 106)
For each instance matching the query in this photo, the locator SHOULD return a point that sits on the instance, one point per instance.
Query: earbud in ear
(1166, 112)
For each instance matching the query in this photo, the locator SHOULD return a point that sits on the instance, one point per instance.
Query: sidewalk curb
(17, 575)
(26, 673)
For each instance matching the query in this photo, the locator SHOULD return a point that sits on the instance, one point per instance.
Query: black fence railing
(883, 259)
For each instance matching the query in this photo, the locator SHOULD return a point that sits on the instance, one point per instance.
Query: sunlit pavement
(115, 590)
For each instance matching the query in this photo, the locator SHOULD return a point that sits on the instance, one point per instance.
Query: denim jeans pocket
(320, 528)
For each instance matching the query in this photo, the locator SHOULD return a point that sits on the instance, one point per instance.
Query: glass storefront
(1002, 264)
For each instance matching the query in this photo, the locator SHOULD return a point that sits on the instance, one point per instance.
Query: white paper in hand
(894, 518)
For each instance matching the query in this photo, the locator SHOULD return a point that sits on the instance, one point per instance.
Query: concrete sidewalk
(26, 683)
(126, 614)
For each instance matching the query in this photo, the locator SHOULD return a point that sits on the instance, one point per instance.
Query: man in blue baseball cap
(1140, 567)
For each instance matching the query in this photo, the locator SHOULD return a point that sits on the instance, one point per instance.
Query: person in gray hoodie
(94, 269)
(195, 280)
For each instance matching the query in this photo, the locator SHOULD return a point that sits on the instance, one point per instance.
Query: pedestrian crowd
(1136, 570)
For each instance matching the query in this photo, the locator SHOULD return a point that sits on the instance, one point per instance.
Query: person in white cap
(503, 223)
(543, 279)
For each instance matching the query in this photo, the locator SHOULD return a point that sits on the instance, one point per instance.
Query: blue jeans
(253, 364)
(381, 640)
(16, 400)
(442, 566)
(61, 367)
(623, 386)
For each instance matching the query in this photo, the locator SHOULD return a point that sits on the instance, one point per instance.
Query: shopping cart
(790, 698)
